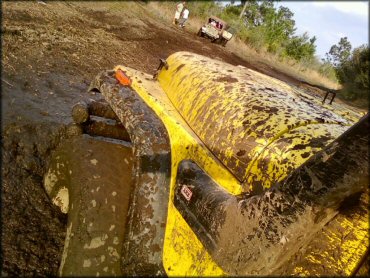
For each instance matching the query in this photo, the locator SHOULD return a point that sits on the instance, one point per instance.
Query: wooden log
(80, 113)
(74, 129)
(102, 109)
(106, 128)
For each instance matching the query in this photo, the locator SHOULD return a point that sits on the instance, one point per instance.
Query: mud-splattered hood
(259, 127)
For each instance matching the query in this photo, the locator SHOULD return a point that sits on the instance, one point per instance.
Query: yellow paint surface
(179, 106)
(240, 114)
(183, 254)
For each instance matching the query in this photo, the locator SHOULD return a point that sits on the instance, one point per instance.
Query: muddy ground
(50, 53)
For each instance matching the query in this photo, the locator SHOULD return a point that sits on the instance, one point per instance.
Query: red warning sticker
(186, 192)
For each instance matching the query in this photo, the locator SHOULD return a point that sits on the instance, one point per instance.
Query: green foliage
(265, 26)
(256, 37)
(339, 54)
(204, 9)
(327, 69)
(252, 16)
(353, 73)
(301, 47)
(232, 11)
(279, 26)
(351, 69)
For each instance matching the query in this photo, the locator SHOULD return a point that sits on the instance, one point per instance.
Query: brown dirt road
(50, 52)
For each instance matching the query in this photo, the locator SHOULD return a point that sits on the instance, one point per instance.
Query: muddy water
(35, 118)
(33, 229)
(91, 180)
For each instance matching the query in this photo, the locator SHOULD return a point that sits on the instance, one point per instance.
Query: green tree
(301, 47)
(338, 54)
(279, 26)
(353, 73)
(204, 9)
(252, 16)
(231, 10)
(265, 26)
(285, 19)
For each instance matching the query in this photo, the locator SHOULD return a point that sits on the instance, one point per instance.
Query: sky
(329, 21)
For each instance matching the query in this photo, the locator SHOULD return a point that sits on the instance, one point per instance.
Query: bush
(327, 70)
(204, 9)
(354, 74)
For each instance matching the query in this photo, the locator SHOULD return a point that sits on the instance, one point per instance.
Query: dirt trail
(50, 53)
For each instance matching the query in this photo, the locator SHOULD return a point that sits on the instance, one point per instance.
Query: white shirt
(179, 7)
(185, 14)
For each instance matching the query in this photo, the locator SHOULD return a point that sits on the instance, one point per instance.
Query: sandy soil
(50, 52)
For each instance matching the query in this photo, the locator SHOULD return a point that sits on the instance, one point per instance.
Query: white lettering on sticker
(186, 192)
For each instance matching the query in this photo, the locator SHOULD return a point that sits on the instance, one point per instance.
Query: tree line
(262, 25)
(351, 68)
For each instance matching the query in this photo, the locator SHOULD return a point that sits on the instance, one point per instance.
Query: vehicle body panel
(340, 248)
(218, 31)
(182, 249)
(241, 115)
(145, 229)
(227, 35)
(183, 252)
(210, 31)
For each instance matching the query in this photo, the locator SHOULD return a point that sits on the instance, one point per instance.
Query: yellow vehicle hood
(259, 127)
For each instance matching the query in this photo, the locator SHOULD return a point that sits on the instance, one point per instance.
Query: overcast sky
(331, 20)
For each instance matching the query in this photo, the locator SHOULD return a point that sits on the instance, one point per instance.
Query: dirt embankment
(50, 52)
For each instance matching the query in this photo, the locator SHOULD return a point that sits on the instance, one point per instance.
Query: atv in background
(217, 30)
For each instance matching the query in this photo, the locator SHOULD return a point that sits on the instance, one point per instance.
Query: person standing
(179, 8)
(184, 18)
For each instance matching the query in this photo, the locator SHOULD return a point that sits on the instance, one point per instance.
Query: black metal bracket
(334, 94)
(162, 63)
